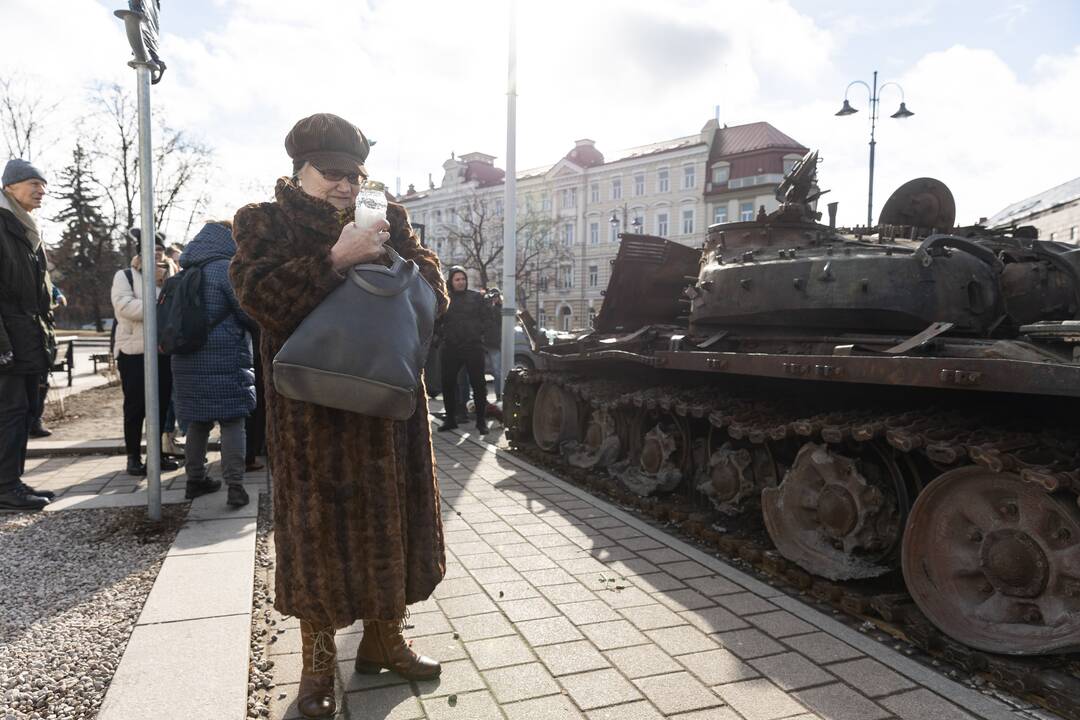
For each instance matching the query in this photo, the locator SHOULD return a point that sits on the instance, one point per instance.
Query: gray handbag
(364, 347)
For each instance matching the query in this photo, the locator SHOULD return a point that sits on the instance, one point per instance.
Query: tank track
(1045, 458)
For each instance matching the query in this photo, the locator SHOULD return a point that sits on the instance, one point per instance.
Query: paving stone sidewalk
(558, 605)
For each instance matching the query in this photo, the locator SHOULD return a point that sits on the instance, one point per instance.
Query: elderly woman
(358, 529)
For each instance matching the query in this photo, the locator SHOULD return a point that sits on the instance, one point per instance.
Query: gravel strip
(74, 584)
(260, 668)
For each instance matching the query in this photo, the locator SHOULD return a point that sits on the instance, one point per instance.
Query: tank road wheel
(554, 417)
(734, 475)
(835, 516)
(518, 399)
(995, 562)
(659, 457)
(600, 445)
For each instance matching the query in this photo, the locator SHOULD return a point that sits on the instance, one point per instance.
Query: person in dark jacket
(27, 342)
(462, 331)
(217, 382)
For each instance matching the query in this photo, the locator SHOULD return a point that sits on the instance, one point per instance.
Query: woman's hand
(358, 245)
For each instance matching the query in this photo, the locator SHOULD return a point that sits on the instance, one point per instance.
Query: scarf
(8, 203)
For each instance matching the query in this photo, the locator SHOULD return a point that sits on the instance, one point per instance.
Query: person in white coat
(127, 301)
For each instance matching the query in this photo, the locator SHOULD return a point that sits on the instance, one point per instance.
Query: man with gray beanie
(27, 343)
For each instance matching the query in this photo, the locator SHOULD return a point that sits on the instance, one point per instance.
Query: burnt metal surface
(647, 280)
(996, 561)
(922, 203)
(832, 517)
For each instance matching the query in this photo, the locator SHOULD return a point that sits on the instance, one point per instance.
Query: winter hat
(18, 170)
(328, 142)
(159, 237)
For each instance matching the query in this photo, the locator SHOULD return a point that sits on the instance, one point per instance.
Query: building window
(746, 211)
(662, 224)
(1072, 234)
(569, 198)
(566, 279)
(594, 193)
(547, 202)
(541, 318)
(564, 320)
(688, 222)
(639, 184)
(689, 179)
(614, 235)
(594, 275)
(592, 317)
(438, 216)
(662, 184)
(616, 189)
(720, 214)
(638, 223)
(789, 163)
(594, 233)
(568, 234)
(721, 173)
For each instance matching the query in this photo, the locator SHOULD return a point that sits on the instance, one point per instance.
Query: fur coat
(358, 529)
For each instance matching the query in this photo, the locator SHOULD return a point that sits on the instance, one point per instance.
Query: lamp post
(875, 98)
(141, 26)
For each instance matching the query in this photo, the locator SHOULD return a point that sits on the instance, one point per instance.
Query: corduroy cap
(328, 142)
(18, 170)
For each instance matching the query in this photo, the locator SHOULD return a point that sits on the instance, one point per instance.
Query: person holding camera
(462, 329)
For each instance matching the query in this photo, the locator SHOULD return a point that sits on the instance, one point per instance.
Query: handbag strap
(401, 270)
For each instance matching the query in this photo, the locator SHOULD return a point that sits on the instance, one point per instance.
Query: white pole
(509, 310)
(149, 293)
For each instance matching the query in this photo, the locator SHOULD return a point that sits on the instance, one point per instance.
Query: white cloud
(425, 78)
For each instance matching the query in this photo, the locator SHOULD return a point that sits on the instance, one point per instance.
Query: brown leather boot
(316, 699)
(383, 646)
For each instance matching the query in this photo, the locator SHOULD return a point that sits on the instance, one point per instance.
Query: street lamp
(875, 99)
(614, 220)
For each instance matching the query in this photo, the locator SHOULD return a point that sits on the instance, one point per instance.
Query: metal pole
(873, 144)
(149, 293)
(509, 309)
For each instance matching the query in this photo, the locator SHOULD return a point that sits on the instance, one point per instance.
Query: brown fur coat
(358, 528)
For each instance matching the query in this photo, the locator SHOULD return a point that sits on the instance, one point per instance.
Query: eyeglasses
(354, 178)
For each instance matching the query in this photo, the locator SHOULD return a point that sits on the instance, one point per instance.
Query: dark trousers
(38, 408)
(255, 426)
(133, 384)
(473, 360)
(18, 395)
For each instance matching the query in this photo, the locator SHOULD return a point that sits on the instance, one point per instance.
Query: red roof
(750, 137)
(484, 173)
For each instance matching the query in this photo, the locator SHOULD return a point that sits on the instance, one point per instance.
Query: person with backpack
(127, 301)
(216, 381)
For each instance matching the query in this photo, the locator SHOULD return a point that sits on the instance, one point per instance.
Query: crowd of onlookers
(220, 383)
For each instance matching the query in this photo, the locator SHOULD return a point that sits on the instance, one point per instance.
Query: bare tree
(477, 235)
(118, 150)
(24, 114)
(181, 164)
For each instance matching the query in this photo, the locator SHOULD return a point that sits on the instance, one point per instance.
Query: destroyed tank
(896, 401)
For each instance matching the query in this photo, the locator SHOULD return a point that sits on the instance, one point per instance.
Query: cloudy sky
(993, 83)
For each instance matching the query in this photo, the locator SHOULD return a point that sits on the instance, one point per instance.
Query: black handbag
(364, 347)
